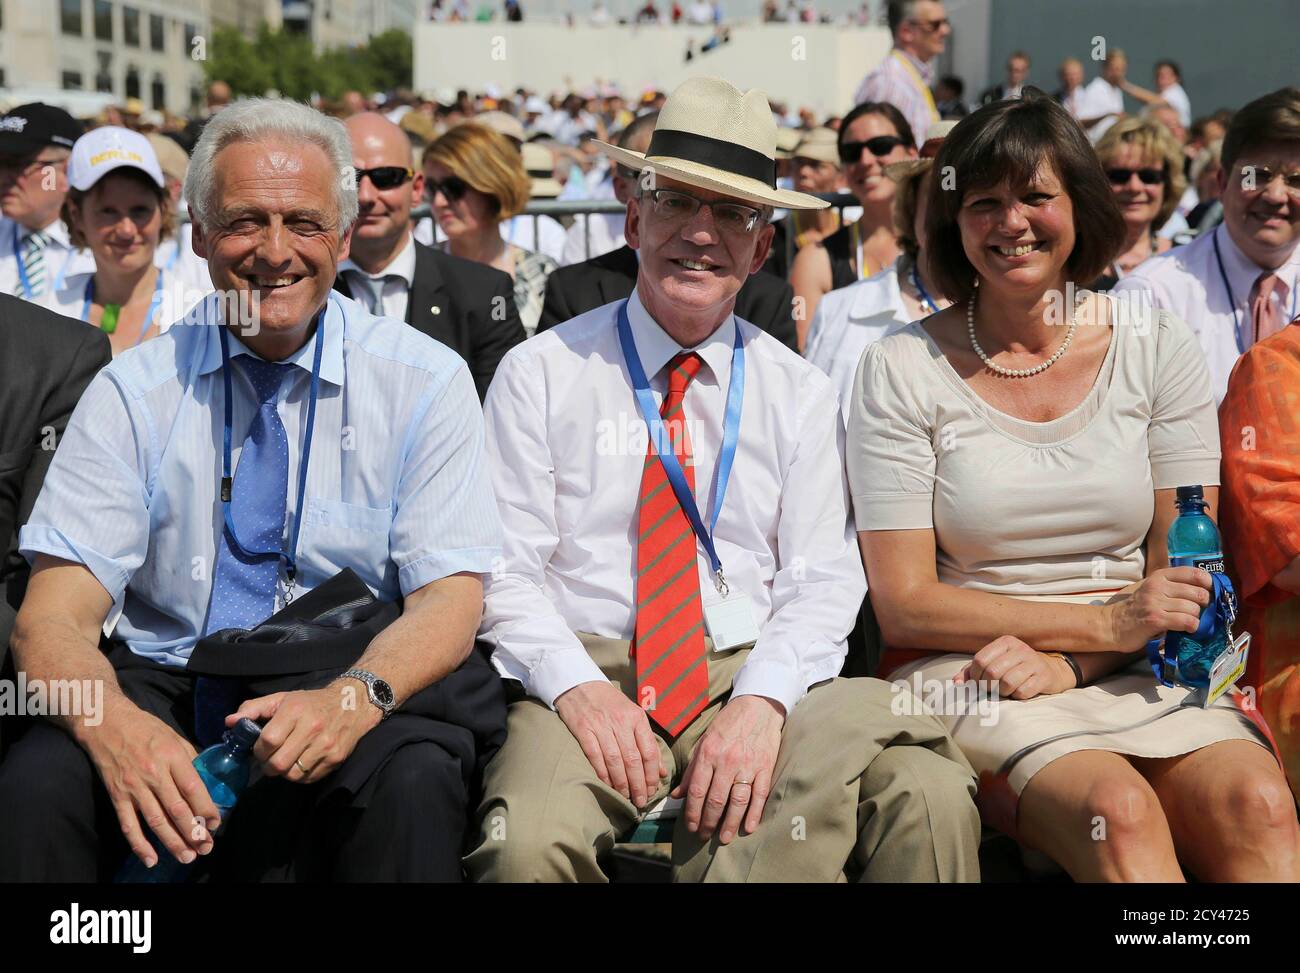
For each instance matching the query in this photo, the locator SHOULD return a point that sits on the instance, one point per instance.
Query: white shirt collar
(1243, 272)
(656, 347)
(869, 299)
(403, 265)
(57, 232)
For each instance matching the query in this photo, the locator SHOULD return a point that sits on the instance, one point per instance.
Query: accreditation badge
(1227, 669)
(730, 622)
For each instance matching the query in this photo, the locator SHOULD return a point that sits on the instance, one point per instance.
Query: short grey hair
(258, 119)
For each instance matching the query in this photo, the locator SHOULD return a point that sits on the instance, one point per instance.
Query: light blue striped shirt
(397, 487)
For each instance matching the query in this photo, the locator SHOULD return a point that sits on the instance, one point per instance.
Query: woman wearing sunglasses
(475, 181)
(119, 210)
(1145, 168)
(850, 319)
(872, 135)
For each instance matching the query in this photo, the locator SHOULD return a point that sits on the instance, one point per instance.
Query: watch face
(383, 692)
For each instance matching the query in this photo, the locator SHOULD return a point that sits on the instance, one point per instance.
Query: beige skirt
(1008, 741)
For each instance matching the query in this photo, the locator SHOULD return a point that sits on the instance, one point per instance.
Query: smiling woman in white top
(1013, 484)
(850, 319)
(119, 210)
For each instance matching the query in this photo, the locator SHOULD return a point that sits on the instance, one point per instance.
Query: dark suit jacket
(764, 300)
(46, 362)
(455, 301)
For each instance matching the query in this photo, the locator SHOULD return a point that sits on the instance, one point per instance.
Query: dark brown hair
(1275, 117)
(886, 111)
(1007, 143)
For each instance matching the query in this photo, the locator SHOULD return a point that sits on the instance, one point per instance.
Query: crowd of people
(680, 507)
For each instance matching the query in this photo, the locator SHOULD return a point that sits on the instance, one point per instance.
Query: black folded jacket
(310, 641)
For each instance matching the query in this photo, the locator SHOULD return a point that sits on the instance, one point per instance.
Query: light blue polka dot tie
(243, 586)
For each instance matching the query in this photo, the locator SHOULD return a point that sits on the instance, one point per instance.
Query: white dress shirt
(60, 256)
(1101, 98)
(1177, 99)
(847, 321)
(1186, 281)
(177, 257)
(1074, 102)
(176, 298)
(566, 443)
(606, 235)
(396, 289)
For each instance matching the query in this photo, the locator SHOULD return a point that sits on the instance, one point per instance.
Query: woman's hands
(1168, 600)
(1019, 670)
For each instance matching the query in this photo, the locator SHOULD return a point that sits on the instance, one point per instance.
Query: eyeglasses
(931, 25)
(385, 177)
(677, 207)
(453, 188)
(880, 146)
(1149, 177)
(1257, 177)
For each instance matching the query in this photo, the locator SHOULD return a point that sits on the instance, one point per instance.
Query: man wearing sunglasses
(671, 617)
(904, 77)
(35, 142)
(468, 306)
(1238, 283)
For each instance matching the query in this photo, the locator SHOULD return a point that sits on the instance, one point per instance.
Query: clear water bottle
(1194, 541)
(224, 768)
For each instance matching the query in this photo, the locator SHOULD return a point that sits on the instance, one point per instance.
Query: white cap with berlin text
(101, 150)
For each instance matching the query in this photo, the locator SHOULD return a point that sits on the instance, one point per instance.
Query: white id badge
(1227, 668)
(730, 622)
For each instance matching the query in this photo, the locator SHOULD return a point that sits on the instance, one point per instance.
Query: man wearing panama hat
(680, 574)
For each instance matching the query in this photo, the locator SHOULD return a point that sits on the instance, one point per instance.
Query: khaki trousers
(858, 792)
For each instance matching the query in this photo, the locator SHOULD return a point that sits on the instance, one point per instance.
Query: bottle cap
(244, 733)
(1186, 493)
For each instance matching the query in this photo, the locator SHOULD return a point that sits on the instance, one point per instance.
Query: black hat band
(705, 150)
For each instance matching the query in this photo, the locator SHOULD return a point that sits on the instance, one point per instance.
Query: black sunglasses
(453, 188)
(880, 146)
(385, 177)
(931, 25)
(1149, 177)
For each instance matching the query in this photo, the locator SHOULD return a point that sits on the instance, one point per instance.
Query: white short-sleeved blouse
(1031, 508)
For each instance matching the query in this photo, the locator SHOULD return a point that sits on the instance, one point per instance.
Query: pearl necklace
(1016, 372)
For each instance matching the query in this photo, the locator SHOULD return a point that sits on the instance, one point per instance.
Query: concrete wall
(819, 66)
(1229, 53)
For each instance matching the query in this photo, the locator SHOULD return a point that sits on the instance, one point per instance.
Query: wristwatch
(380, 693)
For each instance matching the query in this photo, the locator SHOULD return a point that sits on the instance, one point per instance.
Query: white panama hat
(711, 135)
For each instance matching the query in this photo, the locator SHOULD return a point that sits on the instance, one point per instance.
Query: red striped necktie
(672, 675)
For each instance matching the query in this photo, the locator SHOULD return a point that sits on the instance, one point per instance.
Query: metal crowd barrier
(559, 209)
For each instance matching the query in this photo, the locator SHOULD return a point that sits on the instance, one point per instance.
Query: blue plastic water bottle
(224, 768)
(1194, 541)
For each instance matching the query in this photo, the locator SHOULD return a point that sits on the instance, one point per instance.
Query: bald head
(383, 211)
(373, 135)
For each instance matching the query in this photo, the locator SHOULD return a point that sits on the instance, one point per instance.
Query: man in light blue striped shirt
(128, 534)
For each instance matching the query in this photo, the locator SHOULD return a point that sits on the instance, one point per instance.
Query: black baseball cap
(29, 128)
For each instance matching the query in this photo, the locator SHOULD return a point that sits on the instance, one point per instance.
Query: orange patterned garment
(1259, 512)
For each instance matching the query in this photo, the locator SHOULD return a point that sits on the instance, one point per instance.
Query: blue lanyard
(1218, 615)
(290, 557)
(153, 304)
(1232, 300)
(663, 442)
(926, 300)
(22, 269)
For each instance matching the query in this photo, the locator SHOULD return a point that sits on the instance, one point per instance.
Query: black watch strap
(1078, 673)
